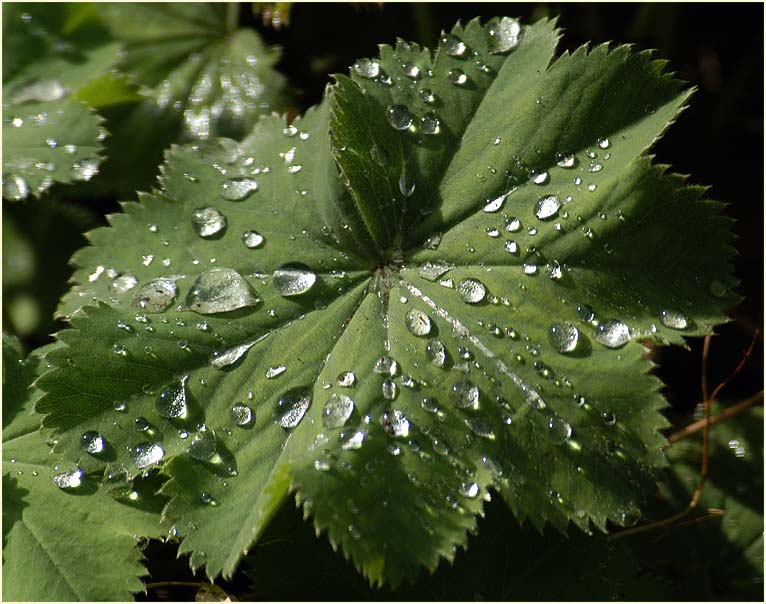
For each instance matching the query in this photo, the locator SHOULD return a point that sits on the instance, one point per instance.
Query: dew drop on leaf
(464, 395)
(208, 222)
(559, 430)
(612, 334)
(347, 379)
(503, 35)
(427, 96)
(395, 423)
(399, 117)
(156, 295)
(411, 70)
(241, 414)
(513, 225)
(431, 271)
(563, 337)
(609, 418)
(430, 124)
(146, 454)
(68, 480)
(453, 45)
(93, 442)
(674, 319)
(293, 279)
(547, 207)
(367, 68)
(202, 445)
(225, 358)
(84, 169)
(337, 410)
(15, 187)
(385, 365)
(457, 77)
(480, 427)
(436, 352)
(418, 322)
(565, 161)
(472, 291)
(380, 156)
(470, 490)
(291, 407)
(252, 239)
(123, 283)
(171, 402)
(238, 189)
(220, 290)
(389, 389)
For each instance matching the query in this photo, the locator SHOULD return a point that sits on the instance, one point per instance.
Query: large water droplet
(220, 290)
(558, 430)
(464, 395)
(457, 77)
(68, 480)
(367, 68)
(399, 117)
(238, 189)
(291, 407)
(547, 207)
(472, 291)
(503, 35)
(430, 124)
(385, 365)
(337, 410)
(612, 334)
(123, 283)
(93, 442)
(171, 402)
(242, 414)
(252, 239)
(564, 337)
(146, 454)
(453, 45)
(436, 352)
(226, 358)
(202, 446)
(155, 296)
(395, 423)
(293, 279)
(433, 270)
(208, 222)
(674, 319)
(418, 322)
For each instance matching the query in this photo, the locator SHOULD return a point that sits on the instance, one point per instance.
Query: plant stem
(724, 415)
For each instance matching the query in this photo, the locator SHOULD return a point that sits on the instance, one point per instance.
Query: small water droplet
(453, 45)
(389, 389)
(93, 442)
(612, 334)
(85, 169)
(538, 177)
(347, 379)
(436, 352)
(513, 225)
(293, 279)
(563, 337)
(399, 117)
(604, 143)
(171, 402)
(146, 454)
(472, 291)
(275, 371)
(385, 365)
(291, 407)
(470, 490)
(457, 77)
(337, 410)
(395, 423)
(68, 480)
(464, 395)
(565, 161)
(609, 418)
(202, 446)
(427, 96)
(252, 239)
(430, 123)
(208, 222)
(367, 68)
(225, 358)
(238, 189)
(411, 70)
(674, 319)
(242, 415)
(559, 430)
(220, 290)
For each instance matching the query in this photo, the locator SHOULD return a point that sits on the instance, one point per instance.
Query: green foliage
(433, 287)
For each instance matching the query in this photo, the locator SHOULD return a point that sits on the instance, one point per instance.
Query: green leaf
(293, 274)
(49, 136)
(191, 57)
(57, 545)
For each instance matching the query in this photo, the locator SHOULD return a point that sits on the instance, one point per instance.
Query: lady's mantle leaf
(59, 544)
(191, 57)
(458, 308)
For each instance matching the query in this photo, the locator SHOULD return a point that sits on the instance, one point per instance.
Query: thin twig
(727, 413)
(739, 367)
(159, 584)
(710, 514)
(705, 354)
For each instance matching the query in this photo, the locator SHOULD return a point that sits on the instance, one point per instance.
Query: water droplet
(674, 319)
(453, 45)
(241, 414)
(494, 205)
(15, 187)
(533, 397)
(565, 161)
(208, 222)
(503, 35)
(171, 402)
(430, 124)
(436, 352)
(238, 189)
(146, 454)
(155, 296)
(337, 410)
(321, 465)
(252, 239)
(457, 77)
(718, 289)
(68, 480)
(293, 279)
(380, 156)
(559, 430)
(220, 290)
(564, 337)
(480, 427)
(585, 312)
(529, 269)
(385, 365)
(431, 271)
(291, 407)
(427, 96)
(395, 423)
(418, 322)
(225, 358)
(464, 395)
(208, 499)
(604, 143)
(389, 389)
(399, 117)
(612, 334)
(93, 442)
(275, 371)
(470, 490)
(432, 241)
(202, 446)
(538, 177)
(609, 418)
(347, 379)
(85, 169)
(294, 169)
(406, 185)
(511, 247)
(513, 225)
(411, 70)
(472, 291)
(367, 68)
(547, 207)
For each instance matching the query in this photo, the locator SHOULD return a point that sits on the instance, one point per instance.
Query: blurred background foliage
(718, 140)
